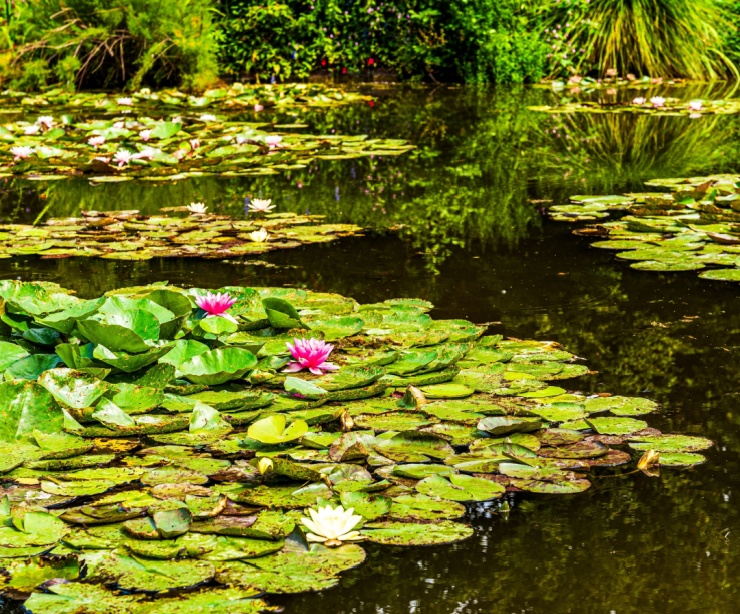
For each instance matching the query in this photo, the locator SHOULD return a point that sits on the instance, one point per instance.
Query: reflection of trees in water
(481, 157)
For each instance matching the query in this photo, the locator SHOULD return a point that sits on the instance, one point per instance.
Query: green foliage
(475, 41)
(98, 43)
(661, 38)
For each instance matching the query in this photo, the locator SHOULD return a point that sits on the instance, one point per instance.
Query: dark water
(475, 244)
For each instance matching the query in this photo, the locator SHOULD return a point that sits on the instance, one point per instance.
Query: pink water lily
(310, 354)
(215, 304)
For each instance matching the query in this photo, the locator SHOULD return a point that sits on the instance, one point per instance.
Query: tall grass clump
(660, 38)
(109, 43)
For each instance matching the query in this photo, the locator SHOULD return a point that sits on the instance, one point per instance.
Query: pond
(460, 221)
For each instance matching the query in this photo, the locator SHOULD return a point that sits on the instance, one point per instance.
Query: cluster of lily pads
(237, 96)
(655, 105)
(242, 443)
(129, 235)
(694, 227)
(139, 143)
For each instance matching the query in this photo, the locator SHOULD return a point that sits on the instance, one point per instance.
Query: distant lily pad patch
(127, 235)
(157, 456)
(695, 226)
(169, 135)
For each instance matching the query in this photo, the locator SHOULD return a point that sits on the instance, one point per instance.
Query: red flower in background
(323, 62)
(370, 62)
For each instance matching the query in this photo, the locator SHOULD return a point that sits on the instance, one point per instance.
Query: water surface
(459, 222)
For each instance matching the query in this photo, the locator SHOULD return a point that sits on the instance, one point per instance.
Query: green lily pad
(459, 488)
(393, 533)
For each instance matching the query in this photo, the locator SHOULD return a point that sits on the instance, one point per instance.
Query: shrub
(110, 43)
(664, 38)
(475, 41)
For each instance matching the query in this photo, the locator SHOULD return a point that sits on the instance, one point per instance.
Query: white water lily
(125, 102)
(32, 129)
(261, 205)
(147, 153)
(96, 141)
(122, 157)
(259, 236)
(696, 105)
(638, 100)
(273, 140)
(208, 117)
(332, 526)
(21, 152)
(197, 208)
(145, 135)
(45, 121)
(657, 101)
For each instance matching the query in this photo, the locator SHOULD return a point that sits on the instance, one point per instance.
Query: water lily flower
(310, 354)
(207, 117)
(145, 135)
(240, 139)
(96, 141)
(657, 101)
(696, 105)
(125, 102)
(273, 140)
(194, 144)
(45, 121)
(119, 125)
(122, 157)
(102, 159)
(611, 72)
(215, 304)
(146, 154)
(32, 129)
(332, 526)
(258, 107)
(21, 152)
(638, 100)
(261, 205)
(259, 236)
(197, 208)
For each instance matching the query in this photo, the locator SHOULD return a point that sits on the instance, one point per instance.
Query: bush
(659, 38)
(473, 41)
(110, 43)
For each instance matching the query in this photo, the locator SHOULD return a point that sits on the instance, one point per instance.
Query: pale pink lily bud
(21, 152)
(273, 140)
(96, 141)
(145, 135)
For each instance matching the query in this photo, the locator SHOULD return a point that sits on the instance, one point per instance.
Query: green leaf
(272, 430)
(281, 313)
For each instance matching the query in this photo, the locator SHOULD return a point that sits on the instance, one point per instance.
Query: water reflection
(482, 157)
(474, 245)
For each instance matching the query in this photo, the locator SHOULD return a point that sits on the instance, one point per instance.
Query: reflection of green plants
(667, 38)
(94, 43)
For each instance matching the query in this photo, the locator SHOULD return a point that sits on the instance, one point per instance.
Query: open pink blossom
(215, 304)
(145, 135)
(696, 105)
(310, 354)
(273, 141)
